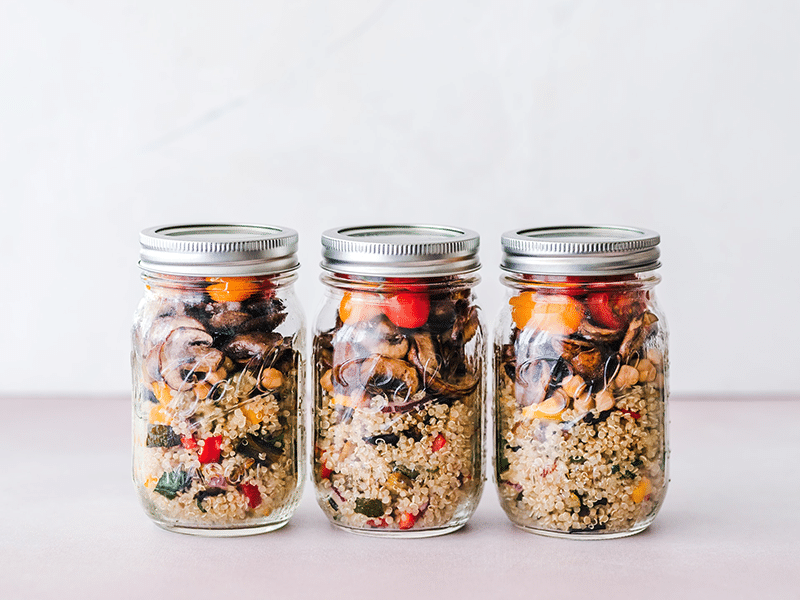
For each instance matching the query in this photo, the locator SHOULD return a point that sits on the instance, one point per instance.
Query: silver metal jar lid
(394, 250)
(218, 249)
(580, 250)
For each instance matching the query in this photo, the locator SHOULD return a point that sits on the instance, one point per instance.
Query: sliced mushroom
(466, 326)
(531, 382)
(346, 369)
(377, 336)
(163, 326)
(228, 321)
(323, 350)
(389, 374)
(187, 358)
(442, 314)
(636, 334)
(246, 347)
(152, 364)
(599, 334)
(266, 315)
(423, 356)
(589, 364)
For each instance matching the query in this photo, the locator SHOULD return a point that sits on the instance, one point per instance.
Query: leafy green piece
(173, 483)
(614, 469)
(162, 436)
(637, 462)
(369, 507)
(502, 461)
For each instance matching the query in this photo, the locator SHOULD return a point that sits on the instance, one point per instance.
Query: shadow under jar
(217, 366)
(581, 382)
(399, 384)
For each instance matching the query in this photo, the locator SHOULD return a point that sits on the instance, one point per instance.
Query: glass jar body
(218, 384)
(399, 404)
(581, 389)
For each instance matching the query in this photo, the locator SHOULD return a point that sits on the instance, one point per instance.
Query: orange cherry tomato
(232, 289)
(556, 314)
(359, 306)
(522, 308)
(559, 315)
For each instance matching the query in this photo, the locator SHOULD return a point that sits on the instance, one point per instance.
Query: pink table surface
(71, 525)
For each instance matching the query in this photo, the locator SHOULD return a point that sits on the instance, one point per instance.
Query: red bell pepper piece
(632, 413)
(212, 448)
(188, 442)
(378, 523)
(252, 494)
(407, 520)
(438, 443)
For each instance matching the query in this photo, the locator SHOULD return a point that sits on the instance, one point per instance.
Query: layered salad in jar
(217, 438)
(398, 421)
(580, 406)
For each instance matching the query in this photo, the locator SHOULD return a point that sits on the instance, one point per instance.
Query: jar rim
(218, 249)
(580, 250)
(415, 250)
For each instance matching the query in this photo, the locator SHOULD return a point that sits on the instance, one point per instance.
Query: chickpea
(573, 386)
(626, 377)
(584, 403)
(647, 371)
(271, 379)
(604, 400)
(654, 356)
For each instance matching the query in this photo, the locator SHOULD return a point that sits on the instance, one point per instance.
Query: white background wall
(682, 116)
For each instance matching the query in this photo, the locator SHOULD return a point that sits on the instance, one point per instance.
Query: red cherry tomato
(407, 309)
(600, 308)
(614, 309)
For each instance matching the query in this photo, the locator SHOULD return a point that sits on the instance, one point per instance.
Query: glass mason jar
(399, 380)
(581, 382)
(217, 362)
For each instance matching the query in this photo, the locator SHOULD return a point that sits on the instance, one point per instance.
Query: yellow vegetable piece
(158, 416)
(150, 482)
(552, 408)
(254, 416)
(343, 400)
(642, 490)
(162, 392)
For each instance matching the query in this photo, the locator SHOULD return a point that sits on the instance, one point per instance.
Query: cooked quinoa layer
(381, 470)
(587, 471)
(240, 489)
